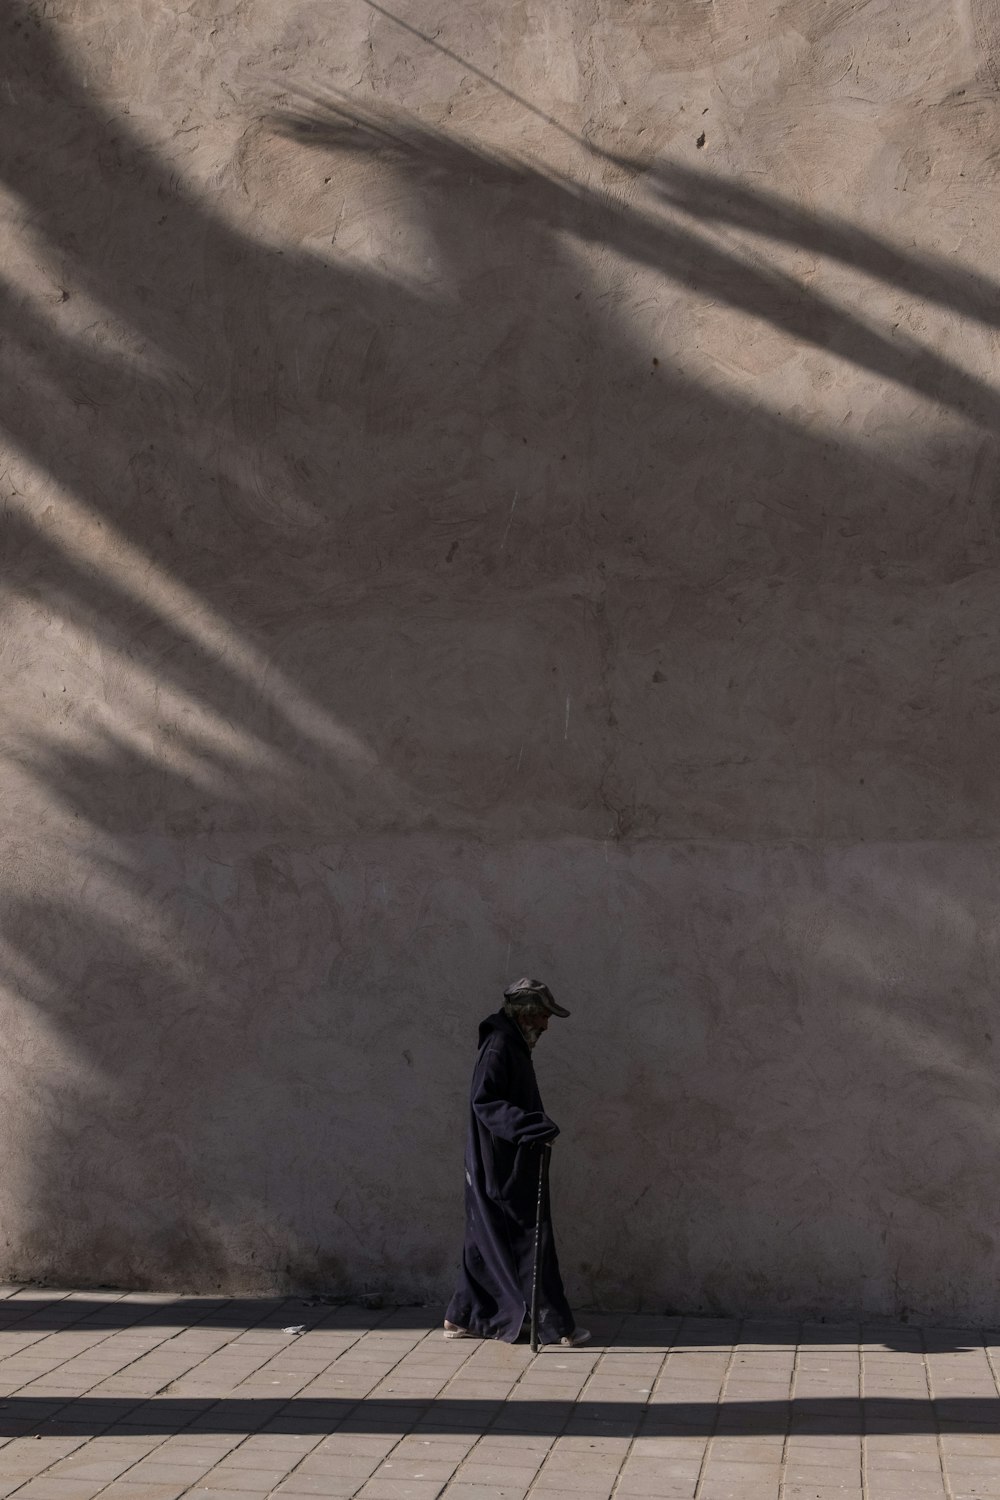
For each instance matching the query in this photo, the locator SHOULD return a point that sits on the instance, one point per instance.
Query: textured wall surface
(490, 489)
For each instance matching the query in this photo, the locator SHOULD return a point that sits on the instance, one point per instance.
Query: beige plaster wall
(496, 489)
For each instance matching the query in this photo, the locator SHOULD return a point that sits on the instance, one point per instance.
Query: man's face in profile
(533, 1022)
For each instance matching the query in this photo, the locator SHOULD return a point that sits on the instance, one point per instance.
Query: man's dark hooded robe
(507, 1131)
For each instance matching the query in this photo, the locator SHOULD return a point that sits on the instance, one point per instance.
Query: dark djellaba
(508, 1131)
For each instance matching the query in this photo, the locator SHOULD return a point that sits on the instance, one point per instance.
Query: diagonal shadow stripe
(90, 1416)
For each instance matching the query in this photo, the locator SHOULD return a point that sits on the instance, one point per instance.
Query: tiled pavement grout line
(12, 1324)
(418, 1412)
(55, 1333)
(69, 1400)
(98, 1343)
(277, 1415)
(488, 1428)
(990, 1361)
(490, 1425)
(501, 1406)
(286, 1409)
(437, 1332)
(360, 1402)
(992, 1366)
(74, 1326)
(793, 1376)
(45, 1293)
(55, 1296)
(945, 1481)
(283, 1413)
(700, 1481)
(862, 1424)
(180, 1427)
(53, 1416)
(638, 1426)
(556, 1436)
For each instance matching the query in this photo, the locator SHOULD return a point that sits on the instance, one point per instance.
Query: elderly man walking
(508, 1131)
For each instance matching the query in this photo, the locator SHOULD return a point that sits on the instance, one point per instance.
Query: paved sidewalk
(143, 1397)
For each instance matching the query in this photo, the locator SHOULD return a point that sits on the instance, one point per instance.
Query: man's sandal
(453, 1331)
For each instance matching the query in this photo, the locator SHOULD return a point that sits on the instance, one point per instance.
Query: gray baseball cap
(534, 989)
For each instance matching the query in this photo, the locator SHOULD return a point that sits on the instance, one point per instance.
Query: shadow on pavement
(91, 1416)
(40, 1313)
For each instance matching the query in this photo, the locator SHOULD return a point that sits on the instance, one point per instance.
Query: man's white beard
(531, 1036)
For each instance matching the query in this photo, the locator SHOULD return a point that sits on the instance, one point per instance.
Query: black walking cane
(543, 1177)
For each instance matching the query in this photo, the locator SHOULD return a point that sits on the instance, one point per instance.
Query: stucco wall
(500, 489)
